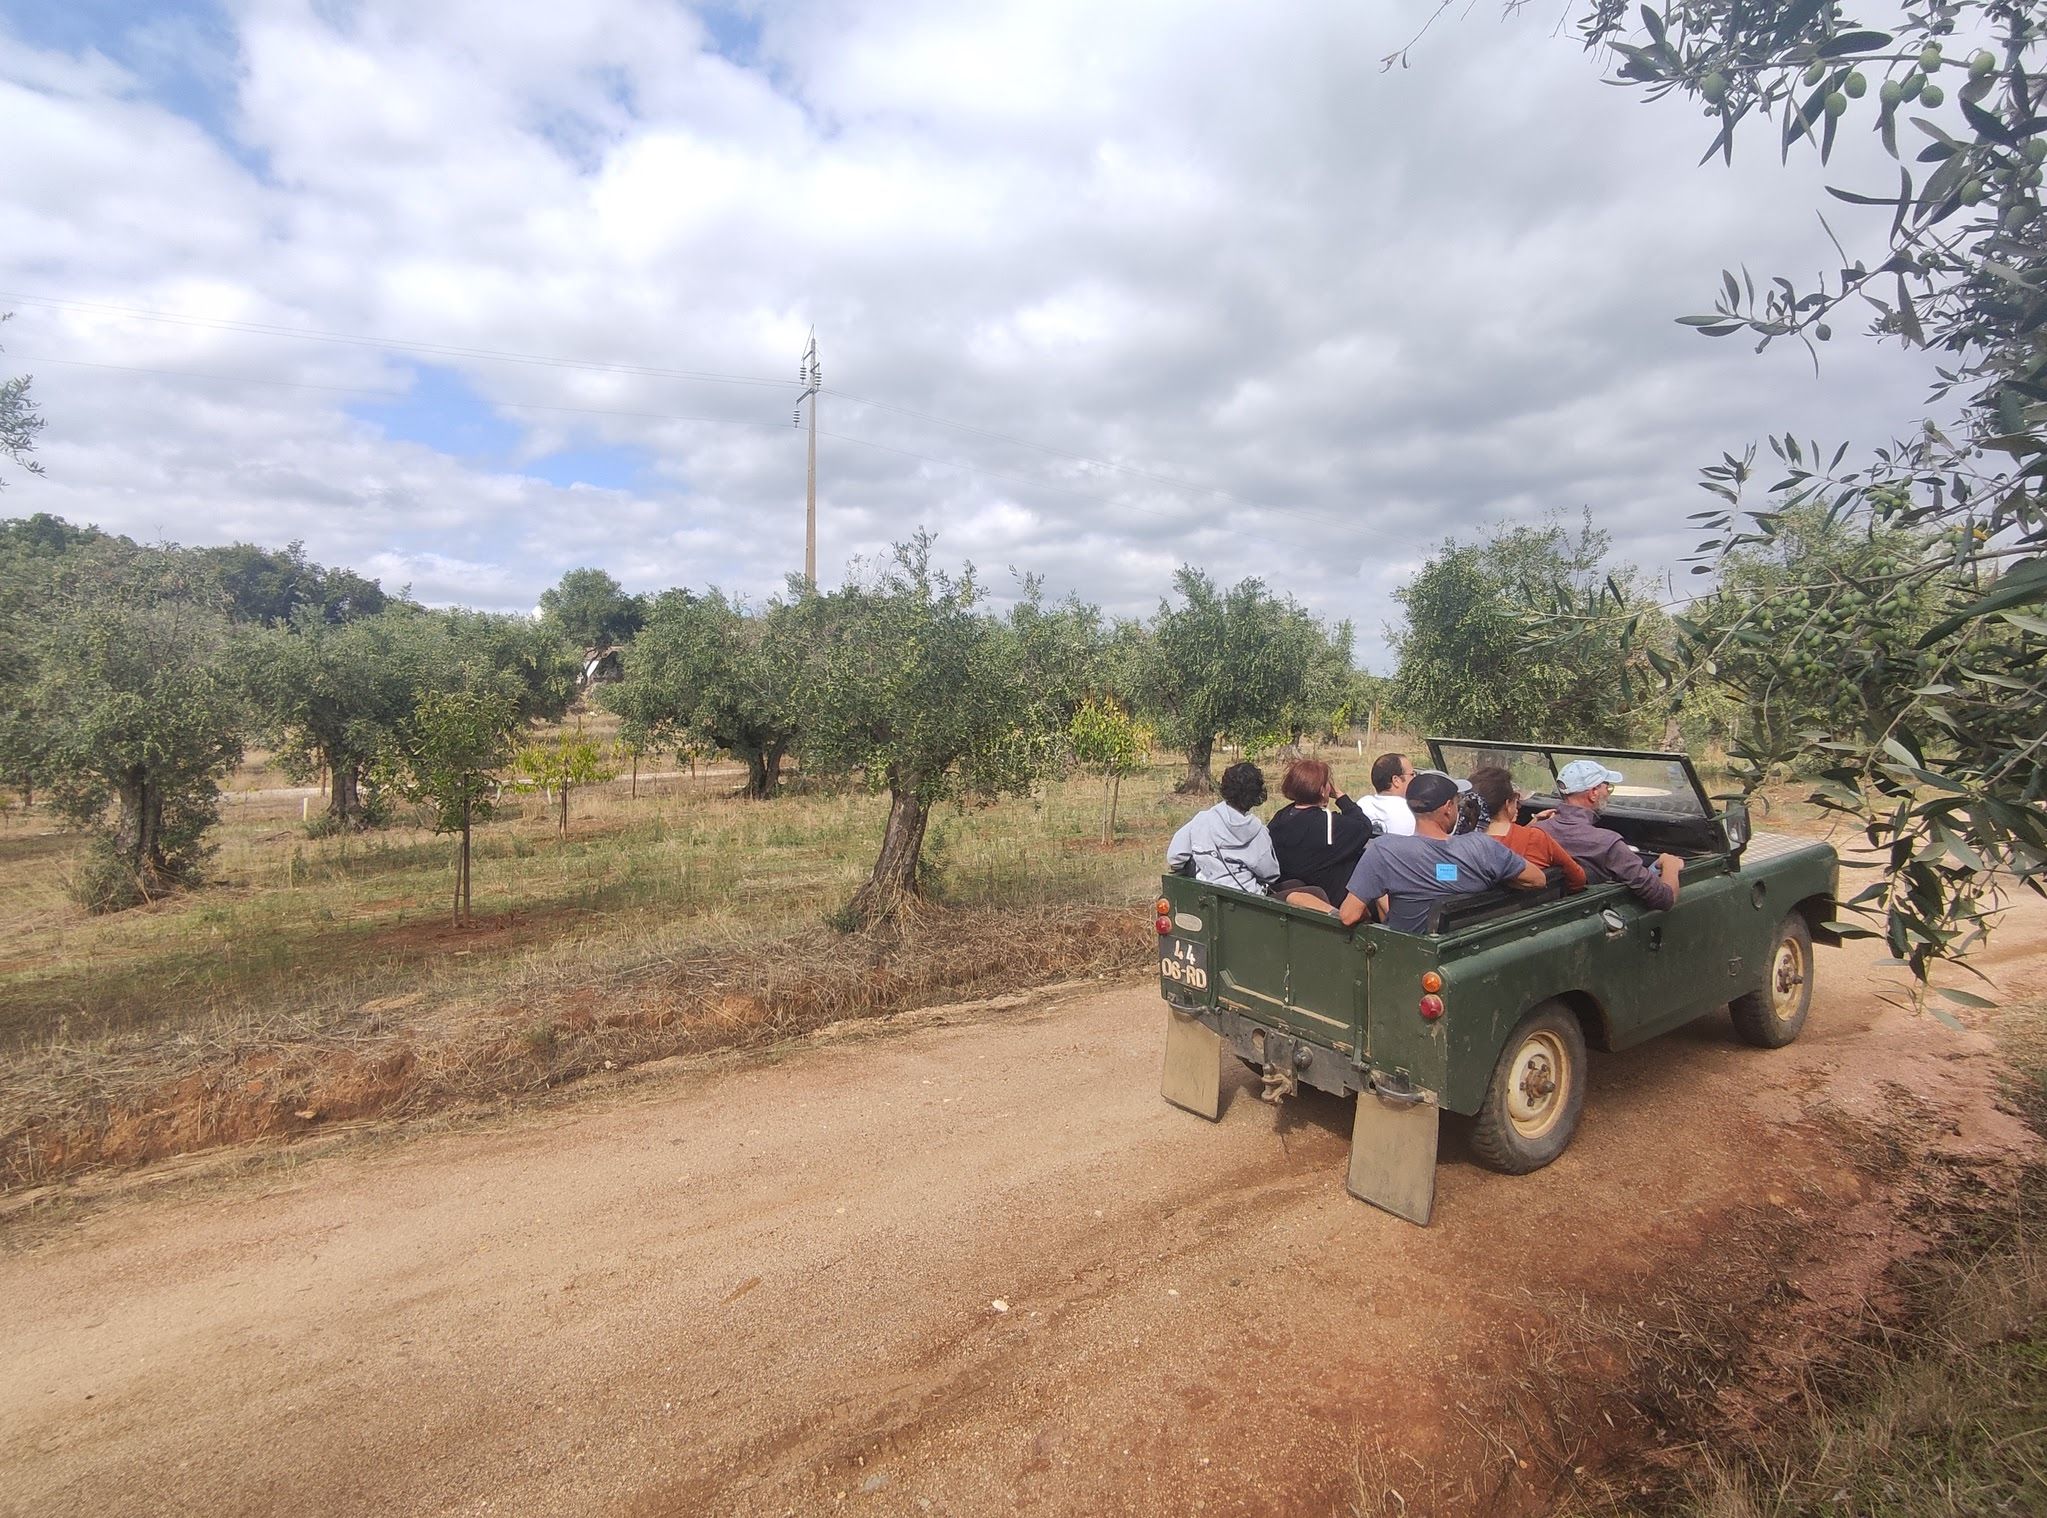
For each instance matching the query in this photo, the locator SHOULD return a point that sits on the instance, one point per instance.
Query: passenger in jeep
(1405, 878)
(1499, 815)
(1585, 784)
(1227, 845)
(1317, 838)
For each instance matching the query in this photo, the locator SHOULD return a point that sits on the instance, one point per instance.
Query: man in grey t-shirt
(1407, 877)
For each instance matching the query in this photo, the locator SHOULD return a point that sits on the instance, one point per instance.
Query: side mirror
(1734, 822)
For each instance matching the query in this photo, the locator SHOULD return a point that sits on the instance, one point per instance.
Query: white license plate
(1184, 963)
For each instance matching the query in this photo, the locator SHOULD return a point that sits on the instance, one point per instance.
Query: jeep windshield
(1651, 784)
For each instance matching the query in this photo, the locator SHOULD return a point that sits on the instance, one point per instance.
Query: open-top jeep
(1490, 1012)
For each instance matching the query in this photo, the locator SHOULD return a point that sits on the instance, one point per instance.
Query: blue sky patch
(606, 467)
(183, 52)
(735, 34)
(444, 412)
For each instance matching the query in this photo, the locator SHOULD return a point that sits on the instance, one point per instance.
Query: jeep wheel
(1770, 1018)
(1535, 1095)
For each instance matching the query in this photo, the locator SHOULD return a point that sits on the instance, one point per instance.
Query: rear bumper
(1312, 1064)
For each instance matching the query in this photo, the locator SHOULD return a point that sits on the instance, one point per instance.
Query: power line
(649, 416)
(389, 395)
(1078, 458)
(404, 345)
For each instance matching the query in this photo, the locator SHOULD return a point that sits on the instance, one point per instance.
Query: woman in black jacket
(1318, 838)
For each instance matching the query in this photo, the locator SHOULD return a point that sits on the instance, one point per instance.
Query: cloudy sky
(467, 294)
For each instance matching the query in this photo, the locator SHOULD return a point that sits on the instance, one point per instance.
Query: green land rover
(1490, 1012)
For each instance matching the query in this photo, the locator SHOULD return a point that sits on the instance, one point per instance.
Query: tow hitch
(1283, 1064)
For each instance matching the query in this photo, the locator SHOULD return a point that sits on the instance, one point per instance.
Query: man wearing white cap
(1585, 784)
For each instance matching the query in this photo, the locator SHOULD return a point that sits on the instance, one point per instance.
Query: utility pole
(811, 376)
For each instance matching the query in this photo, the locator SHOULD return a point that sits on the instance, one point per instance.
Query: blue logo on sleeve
(1446, 870)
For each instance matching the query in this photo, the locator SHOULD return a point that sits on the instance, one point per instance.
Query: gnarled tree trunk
(898, 870)
(1200, 777)
(764, 771)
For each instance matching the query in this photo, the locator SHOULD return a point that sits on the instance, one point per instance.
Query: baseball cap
(1430, 789)
(1581, 775)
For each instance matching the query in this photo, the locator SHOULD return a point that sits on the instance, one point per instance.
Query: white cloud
(1352, 310)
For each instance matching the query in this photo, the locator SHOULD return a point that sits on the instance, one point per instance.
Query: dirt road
(971, 1264)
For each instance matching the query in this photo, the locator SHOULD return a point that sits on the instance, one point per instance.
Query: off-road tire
(1771, 1017)
(1535, 1095)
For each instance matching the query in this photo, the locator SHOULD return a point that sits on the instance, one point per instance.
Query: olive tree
(527, 662)
(1947, 779)
(903, 679)
(445, 755)
(129, 702)
(704, 673)
(1329, 694)
(19, 421)
(1234, 662)
(1466, 665)
(1109, 741)
(334, 694)
(591, 609)
(1775, 619)
(557, 764)
(277, 586)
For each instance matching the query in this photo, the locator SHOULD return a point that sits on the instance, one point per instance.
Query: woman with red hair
(1318, 837)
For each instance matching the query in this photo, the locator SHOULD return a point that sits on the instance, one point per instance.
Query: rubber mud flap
(1393, 1156)
(1194, 1066)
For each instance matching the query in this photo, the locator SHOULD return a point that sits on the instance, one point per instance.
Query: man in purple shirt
(1407, 876)
(1585, 784)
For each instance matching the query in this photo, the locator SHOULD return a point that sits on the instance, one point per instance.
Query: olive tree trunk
(1200, 776)
(462, 869)
(897, 876)
(764, 771)
(138, 831)
(344, 797)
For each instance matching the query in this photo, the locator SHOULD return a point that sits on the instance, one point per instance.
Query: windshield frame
(1547, 754)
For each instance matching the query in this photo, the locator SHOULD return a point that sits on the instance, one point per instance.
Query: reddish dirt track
(770, 1288)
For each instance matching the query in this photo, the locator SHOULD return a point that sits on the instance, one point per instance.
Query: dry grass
(1723, 1397)
(1941, 1418)
(322, 976)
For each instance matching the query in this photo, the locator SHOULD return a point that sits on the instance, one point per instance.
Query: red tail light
(1432, 1007)
(1164, 924)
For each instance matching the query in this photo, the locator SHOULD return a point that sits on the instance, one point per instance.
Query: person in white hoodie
(1226, 845)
